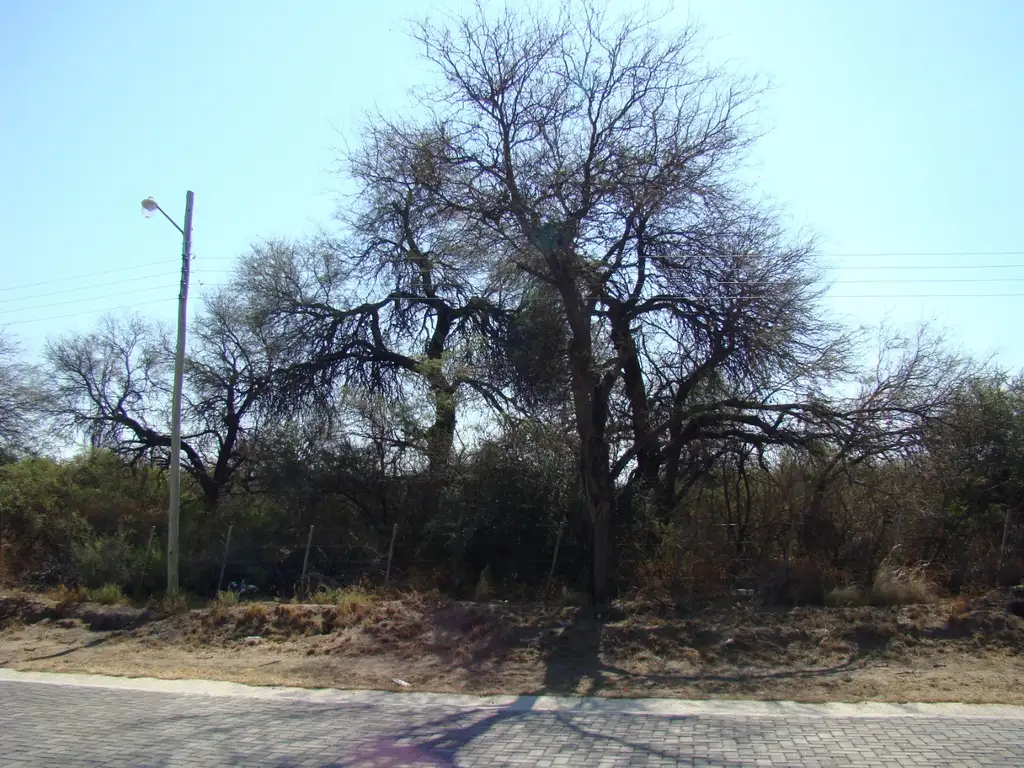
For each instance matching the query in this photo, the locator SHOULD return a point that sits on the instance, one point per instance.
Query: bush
(348, 601)
(844, 596)
(103, 560)
(891, 587)
(804, 582)
(900, 586)
(108, 594)
(75, 521)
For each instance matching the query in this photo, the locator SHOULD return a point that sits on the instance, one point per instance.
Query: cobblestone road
(44, 724)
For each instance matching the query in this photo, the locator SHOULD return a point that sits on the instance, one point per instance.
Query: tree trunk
(601, 555)
(440, 440)
(590, 404)
(590, 393)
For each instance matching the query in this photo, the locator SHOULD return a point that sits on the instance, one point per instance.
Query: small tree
(19, 403)
(113, 386)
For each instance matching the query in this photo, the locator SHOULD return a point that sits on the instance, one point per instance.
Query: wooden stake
(554, 561)
(305, 563)
(391, 553)
(1002, 547)
(224, 564)
(145, 562)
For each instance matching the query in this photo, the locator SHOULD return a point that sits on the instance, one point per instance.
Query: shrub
(355, 601)
(959, 608)
(892, 586)
(72, 520)
(68, 595)
(108, 594)
(106, 559)
(805, 582)
(900, 586)
(844, 596)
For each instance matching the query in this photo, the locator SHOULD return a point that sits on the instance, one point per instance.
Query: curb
(520, 704)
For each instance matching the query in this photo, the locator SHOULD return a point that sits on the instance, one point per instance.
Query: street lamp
(149, 207)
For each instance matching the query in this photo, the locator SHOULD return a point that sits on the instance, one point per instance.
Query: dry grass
(348, 601)
(364, 639)
(108, 594)
(845, 596)
(63, 595)
(901, 586)
(891, 587)
(172, 606)
(959, 608)
(226, 599)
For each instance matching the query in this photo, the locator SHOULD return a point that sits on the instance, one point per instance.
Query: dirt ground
(946, 651)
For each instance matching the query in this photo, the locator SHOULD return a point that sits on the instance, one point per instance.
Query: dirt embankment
(946, 651)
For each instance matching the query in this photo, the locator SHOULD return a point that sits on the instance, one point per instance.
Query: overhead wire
(886, 255)
(80, 300)
(89, 312)
(87, 274)
(827, 268)
(84, 288)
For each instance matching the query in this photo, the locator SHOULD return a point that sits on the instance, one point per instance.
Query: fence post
(1002, 547)
(305, 564)
(554, 561)
(145, 562)
(224, 563)
(391, 553)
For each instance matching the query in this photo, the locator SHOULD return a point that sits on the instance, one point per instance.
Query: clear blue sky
(897, 128)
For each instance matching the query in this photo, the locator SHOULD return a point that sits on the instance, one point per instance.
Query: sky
(893, 133)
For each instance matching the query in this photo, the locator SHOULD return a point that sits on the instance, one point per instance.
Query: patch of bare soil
(946, 651)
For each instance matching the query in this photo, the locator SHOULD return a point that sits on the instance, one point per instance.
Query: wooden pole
(224, 563)
(305, 563)
(391, 553)
(145, 562)
(1002, 547)
(554, 561)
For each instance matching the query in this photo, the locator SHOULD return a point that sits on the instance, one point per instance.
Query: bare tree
(403, 306)
(19, 402)
(113, 387)
(598, 155)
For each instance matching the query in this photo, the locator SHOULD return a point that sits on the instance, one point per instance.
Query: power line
(845, 296)
(891, 281)
(893, 254)
(724, 282)
(91, 298)
(90, 312)
(88, 274)
(878, 281)
(933, 254)
(86, 288)
(95, 286)
(872, 296)
(928, 266)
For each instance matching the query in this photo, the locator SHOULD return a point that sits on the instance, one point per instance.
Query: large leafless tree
(598, 154)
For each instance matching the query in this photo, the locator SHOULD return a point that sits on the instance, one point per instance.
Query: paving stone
(48, 725)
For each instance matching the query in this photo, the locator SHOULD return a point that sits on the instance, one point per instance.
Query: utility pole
(174, 508)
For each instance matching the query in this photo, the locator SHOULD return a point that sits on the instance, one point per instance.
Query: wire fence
(533, 563)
